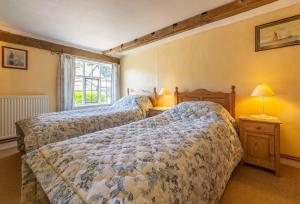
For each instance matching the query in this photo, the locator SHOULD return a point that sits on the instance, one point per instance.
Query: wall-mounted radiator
(14, 108)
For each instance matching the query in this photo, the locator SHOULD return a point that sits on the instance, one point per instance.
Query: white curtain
(116, 81)
(65, 82)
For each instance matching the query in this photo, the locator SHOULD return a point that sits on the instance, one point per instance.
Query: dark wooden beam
(53, 47)
(222, 12)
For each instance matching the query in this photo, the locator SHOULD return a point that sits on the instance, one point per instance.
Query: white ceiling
(96, 24)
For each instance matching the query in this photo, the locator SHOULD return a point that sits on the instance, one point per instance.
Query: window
(93, 83)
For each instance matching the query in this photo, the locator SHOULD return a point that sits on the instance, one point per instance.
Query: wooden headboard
(225, 99)
(153, 96)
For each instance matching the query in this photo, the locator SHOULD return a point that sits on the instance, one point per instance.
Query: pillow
(198, 109)
(142, 101)
(128, 101)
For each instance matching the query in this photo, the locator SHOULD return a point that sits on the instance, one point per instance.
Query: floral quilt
(184, 155)
(53, 127)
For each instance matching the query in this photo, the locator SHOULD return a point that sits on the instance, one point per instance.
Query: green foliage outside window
(91, 97)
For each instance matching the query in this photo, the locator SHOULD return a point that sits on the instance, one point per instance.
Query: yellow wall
(216, 59)
(40, 78)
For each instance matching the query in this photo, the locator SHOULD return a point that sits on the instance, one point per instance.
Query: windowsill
(90, 106)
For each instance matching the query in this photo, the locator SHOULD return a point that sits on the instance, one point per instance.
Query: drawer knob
(258, 128)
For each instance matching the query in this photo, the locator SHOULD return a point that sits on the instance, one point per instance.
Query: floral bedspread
(53, 127)
(184, 155)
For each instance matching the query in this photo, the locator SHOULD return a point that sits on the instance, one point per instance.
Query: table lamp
(164, 91)
(263, 90)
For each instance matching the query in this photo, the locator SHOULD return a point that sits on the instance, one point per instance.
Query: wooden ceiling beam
(53, 47)
(222, 12)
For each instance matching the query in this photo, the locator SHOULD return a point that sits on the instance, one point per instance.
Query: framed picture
(282, 33)
(14, 58)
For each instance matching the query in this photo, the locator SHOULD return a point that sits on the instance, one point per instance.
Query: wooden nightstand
(156, 110)
(261, 142)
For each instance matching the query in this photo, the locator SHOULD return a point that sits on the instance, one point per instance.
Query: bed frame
(225, 99)
(153, 95)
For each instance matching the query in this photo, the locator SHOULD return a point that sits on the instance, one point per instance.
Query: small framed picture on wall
(277, 34)
(14, 58)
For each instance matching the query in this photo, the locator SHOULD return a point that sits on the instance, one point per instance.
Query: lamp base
(264, 117)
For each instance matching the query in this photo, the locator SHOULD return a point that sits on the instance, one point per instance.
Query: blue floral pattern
(184, 155)
(53, 127)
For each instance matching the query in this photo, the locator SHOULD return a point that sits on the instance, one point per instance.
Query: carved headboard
(153, 96)
(225, 99)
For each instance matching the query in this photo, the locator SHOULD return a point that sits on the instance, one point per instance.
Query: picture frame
(14, 58)
(278, 34)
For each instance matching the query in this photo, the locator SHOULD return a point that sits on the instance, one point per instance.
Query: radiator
(14, 108)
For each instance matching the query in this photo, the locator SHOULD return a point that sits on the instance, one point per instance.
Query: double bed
(184, 155)
(48, 128)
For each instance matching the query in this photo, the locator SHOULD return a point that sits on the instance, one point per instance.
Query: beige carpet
(10, 176)
(256, 186)
(247, 185)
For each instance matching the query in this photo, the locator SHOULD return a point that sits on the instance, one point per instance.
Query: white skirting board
(290, 162)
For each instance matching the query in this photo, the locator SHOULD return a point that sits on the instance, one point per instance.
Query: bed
(184, 155)
(43, 129)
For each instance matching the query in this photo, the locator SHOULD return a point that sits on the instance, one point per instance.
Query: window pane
(106, 71)
(103, 96)
(88, 69)
(78, 91)
(78, 97)
(108, 84)
(78, 67)
(78, 84)
(103, 83)
(106, 76)
(91, 90)
(108, 96)
(96, 70)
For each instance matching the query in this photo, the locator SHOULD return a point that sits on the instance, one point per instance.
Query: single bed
(43, 129)
(184, 155)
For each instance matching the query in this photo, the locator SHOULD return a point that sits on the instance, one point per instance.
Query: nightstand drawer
(260, 127)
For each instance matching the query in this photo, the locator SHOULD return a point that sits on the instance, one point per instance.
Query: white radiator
(14, 108)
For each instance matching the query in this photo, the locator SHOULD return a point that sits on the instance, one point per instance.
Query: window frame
(84, 79)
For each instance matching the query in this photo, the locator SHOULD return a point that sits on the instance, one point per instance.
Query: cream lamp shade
(164, 91)
(262, 90)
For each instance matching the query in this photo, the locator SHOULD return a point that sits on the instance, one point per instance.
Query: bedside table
(156, 110)
(260, 139)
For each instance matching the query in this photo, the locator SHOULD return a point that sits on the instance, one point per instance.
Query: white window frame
(87, 105)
